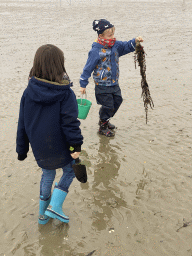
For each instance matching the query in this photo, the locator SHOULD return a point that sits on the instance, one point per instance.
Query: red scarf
(106, 42)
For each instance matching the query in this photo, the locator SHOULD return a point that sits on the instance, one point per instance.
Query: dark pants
(110, 99)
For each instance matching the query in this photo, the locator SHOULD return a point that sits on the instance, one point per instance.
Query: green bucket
(84, 106)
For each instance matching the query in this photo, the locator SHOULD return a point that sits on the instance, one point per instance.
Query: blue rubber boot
(54, 210)
(43, 219)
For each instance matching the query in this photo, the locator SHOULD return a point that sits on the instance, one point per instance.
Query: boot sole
(107, 135)
(55, 215)
(43, 222)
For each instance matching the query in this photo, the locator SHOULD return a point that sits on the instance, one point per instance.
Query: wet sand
(138, 200)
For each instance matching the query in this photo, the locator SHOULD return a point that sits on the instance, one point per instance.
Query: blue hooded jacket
(105, 63)
(48, 121)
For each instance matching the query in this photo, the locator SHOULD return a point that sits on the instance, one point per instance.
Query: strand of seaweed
(140, 58)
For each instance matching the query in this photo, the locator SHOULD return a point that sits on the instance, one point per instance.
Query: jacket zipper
(102, 74)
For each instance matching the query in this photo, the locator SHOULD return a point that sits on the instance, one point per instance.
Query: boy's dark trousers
(110, 99)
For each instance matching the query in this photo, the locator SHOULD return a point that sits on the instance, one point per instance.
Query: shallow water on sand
(138, 197)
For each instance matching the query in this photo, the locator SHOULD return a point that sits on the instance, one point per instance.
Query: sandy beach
(138, 198)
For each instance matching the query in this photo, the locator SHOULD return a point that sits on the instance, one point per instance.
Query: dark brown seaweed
(140, 58)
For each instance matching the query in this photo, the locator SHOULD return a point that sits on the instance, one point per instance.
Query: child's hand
(75, 155)
(139, 38)
(82, 90)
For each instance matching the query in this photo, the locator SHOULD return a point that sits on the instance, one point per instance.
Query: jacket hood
(96, 45)
(45, 91)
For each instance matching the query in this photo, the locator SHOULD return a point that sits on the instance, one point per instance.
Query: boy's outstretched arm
(128, 46)
(90, 65)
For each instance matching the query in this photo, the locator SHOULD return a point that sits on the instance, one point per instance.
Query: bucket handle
(82, 97)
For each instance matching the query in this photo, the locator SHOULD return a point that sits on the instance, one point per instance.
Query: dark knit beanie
(101, 25)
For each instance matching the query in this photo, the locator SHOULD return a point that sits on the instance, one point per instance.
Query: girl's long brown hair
(48, 63)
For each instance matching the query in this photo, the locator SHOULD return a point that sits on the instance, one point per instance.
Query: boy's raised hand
(139, 38)
(82, 90)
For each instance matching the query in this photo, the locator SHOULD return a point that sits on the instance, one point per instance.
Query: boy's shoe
(110, 126)
(54, 209)
(43, 219)
(104, 130)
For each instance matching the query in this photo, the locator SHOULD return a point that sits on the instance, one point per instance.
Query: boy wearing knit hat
(103, 61)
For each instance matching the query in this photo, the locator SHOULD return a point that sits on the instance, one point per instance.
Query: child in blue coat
(103, 61)
(48, 121)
